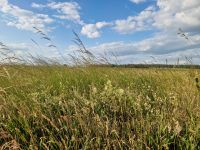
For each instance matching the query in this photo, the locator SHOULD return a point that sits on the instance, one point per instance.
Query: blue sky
(138, 31)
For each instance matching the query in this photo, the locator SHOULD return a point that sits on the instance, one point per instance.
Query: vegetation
(56, 107)
(91, 103)
(189, 66)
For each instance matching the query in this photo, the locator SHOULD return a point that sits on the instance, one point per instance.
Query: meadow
(57, 107)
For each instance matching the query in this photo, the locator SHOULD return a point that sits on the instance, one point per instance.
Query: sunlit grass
(99, 108)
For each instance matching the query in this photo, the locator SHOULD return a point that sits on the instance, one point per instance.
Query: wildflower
(94, 90)
(178, 128)
(108, 85)
(169, 127)
(60, 103)
(120, 92)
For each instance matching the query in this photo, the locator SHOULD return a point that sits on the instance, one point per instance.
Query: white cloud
(24, 19)
(35, 5)
(160, 46)
(172, 58)
(137, 1)
(132, 24)
(92, 30)
(125, 26)
(169, 15)
(26, 51)
(183, 14)
(65, 10)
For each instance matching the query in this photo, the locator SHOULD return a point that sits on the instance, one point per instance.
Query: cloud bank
(163, 19)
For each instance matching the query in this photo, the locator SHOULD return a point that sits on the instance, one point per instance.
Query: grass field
(56, 107)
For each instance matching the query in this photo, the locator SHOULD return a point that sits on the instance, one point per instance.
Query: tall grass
(99, 108)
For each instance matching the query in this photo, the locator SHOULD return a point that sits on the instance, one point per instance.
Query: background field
(55, 107)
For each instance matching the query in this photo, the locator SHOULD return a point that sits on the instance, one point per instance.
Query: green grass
(99, 108)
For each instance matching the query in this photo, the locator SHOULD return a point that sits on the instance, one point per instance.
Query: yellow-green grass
(52, 107)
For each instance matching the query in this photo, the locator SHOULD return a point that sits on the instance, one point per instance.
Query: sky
(136, 31)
